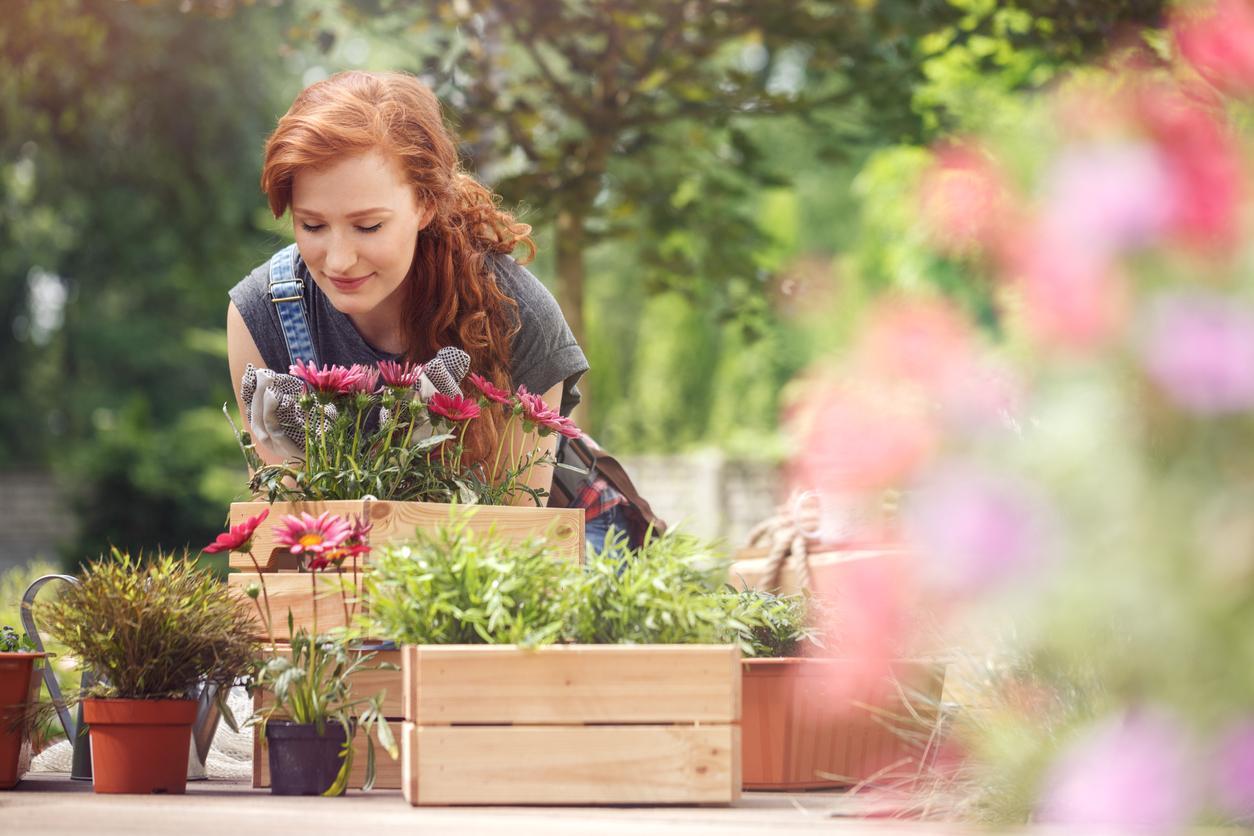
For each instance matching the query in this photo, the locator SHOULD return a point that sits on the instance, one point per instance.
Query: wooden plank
(387, 771)
(292, 591)
(467, 684)
(571, 764)
(396, 521)
(366, 683)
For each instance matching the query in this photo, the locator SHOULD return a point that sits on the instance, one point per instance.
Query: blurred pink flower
(1233, 772)
(864, 440)
(1133, 772)
(964, 198)
(1071, 298)
(1219, 43)
(366, 378)
(1199, 349)
(1202, 164)
(923, 341)
(974, 529)
(1103, 197)
(988, 397)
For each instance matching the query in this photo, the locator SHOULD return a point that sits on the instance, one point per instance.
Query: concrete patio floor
(52, 804)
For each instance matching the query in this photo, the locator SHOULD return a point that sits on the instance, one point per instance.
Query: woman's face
(357, 224)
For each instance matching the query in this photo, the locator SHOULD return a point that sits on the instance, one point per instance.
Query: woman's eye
(374, 228)
(311, 227)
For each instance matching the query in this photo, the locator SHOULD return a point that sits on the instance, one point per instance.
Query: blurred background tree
(714, 186)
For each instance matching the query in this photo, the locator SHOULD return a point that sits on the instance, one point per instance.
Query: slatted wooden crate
(365, 683)
(563, 529)
(571, 724)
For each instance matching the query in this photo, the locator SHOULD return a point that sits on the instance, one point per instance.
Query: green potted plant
(311, 717)
(21, 670)
(528, 679)
(152, 631)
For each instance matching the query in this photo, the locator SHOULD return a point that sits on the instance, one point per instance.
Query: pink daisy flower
(403, 375)
(534, 409)
(328, 380)
(312, 536)
(367, 379)
(453, 407)
(239, 537)
(490, 391)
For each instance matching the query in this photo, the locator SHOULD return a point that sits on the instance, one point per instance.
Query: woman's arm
(539, 477)
(240, 351)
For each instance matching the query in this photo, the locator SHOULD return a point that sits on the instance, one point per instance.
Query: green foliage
(152, 629)
(454, 586)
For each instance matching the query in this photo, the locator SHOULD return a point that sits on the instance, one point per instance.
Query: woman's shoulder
(521, 285)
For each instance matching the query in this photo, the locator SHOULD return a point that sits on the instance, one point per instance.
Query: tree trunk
(570, 283)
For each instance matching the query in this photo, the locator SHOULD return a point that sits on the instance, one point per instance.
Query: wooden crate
(292, 591)
(395, 521)
(365, 683)
(571, 724)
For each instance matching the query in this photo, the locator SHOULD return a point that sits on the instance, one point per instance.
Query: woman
(400, 254)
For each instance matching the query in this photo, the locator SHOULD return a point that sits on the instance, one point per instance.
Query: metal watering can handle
(50, 679)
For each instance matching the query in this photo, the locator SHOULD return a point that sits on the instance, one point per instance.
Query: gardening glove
(443, 373)
(272, 410)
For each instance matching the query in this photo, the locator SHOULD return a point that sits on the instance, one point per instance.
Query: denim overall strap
(287, 292)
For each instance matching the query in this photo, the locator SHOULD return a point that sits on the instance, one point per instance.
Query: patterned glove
(272, 410)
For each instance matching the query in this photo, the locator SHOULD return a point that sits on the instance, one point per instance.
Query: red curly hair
(452, 296)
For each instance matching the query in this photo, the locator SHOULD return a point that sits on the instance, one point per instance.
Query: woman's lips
(347, 285)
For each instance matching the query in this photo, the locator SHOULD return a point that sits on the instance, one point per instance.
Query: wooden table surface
(52, 804)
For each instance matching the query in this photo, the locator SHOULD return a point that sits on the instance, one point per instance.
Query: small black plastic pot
(303, 762)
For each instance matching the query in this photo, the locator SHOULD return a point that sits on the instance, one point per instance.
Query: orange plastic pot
(808, 724)
(139, 746)
(20, 675)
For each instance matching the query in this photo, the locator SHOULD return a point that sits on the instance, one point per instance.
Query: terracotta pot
(303, 762)
(139, 746)
(805, 727)
(20, 676)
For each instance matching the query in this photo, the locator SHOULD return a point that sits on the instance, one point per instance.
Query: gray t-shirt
(543, 353)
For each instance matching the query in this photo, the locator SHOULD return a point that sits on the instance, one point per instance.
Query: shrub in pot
(21, 671)
(152, 631)
(311, 721)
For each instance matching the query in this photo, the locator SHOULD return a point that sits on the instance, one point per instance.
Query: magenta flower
(1199, 350)
(312, 536)
(534, 409)
(239, 537)
(366, 379)
(1220, 43)
(490, 391)
(976, 529)
(453, 407)
(1233, 772)
(1131, 773)
(564, 426)
(403, 375)
(328, 380)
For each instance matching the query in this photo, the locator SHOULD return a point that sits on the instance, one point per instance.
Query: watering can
(207, 711)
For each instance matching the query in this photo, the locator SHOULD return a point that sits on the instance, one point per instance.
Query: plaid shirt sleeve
(598, 497)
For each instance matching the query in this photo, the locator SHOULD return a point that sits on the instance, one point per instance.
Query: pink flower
(534, 409)
(1133, 772)
(1199, 350)
(453, 407)
(366, 379)
(965, 199)
(239, 537)
(491, 392)
(310, 535)
(925, 342)
(1202, 164)
(404, 376)
(975, 529)
(1233, 771)
(1220, 44)
(564, 426)
(329, 380)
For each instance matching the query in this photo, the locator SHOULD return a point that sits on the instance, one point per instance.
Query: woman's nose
(341, 256)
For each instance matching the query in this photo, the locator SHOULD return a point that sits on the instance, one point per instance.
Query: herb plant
(153, 630)
(12, 641)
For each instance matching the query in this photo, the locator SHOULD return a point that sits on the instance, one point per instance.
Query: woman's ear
(427, 215)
